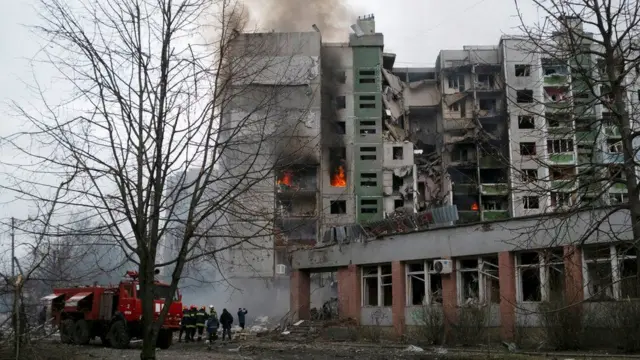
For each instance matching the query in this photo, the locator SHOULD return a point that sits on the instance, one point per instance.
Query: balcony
(284, 213)
(618, 188)
(612, 158)
(298, 181)
(489, 215)
(586, 137)
(465, 189)
(567, 158)
(563, 185)
(561, 106)
(494, 189)
(491, 162)
(557, 80)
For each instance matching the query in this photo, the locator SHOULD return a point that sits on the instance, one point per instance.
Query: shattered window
(340, 127)
(522, 70)
(528, 274)
(524, 96)
(559, 199)
(338, 206)
(531, 202)
(398, 153)
(560, 146)
(627, 260)
(398, 203)
(478, 281)
(424, 285)
(341, 102)
(527, 148)
(376, 286)
(529, 175)
(599, 279)
(526, 122)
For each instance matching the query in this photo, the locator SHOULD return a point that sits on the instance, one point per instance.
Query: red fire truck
(112, 313)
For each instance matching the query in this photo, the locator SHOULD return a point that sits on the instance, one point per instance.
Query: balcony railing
(490, 162)
(494, 189)
(618, 188)
(464, 189)
(585, 137)
(612, 131)
(563, 185)
(556, 80)
(567, 158)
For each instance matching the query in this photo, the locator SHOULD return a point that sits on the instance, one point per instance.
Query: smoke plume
(333, 17)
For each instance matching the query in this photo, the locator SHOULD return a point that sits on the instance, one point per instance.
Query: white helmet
(210, 306)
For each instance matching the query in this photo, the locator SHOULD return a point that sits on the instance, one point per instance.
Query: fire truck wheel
(118, 336)
(81, 333)
(66, 331)
(165, 338)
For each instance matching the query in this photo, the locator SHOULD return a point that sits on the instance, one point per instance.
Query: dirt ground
(263, 350)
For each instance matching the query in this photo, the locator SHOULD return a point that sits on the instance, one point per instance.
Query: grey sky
(414, 30)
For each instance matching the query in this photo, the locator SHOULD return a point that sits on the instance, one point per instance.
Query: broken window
(558, 120)
(526, 122)
(522, 70)
(398, 153)
(599, 279)
(369, 206)
(424, 285)
(628, 271)
(618, 198)
(368, 153)
(456, 82)
(398, 203)
(562, 172)
(340, 127)
(477, 280)
(485, 81)
(367, 102)
(455, 107)
(553, 286)
(341, 102)
(368, 131)
(341, 77)
(529, 175)
(615, 146)
(487, 105)
(369, 179)
(531, 202)
(367, 127)
(338, 206)
(397, 183)
(560, 146)
(560, 199)
(376, 285)
(527, 148)
(528, 277)
(524, 96)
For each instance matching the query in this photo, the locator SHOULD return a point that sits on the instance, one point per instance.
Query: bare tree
(162, 89)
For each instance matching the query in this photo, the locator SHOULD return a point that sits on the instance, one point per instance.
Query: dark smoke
(330, 90)
(333, 17)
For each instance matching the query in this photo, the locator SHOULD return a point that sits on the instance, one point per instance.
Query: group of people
(195, 321)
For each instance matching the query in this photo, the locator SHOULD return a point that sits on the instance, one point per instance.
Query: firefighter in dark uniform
(183, 325)
(201, 318)
(191, 324)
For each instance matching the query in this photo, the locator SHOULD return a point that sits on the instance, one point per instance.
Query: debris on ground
(413, 348)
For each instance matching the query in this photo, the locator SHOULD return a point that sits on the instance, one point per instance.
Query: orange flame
(339, 178)
(286, 179)
(474, 207)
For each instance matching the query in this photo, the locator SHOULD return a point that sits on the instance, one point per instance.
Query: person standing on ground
(191, 324)
(212, 328)
(183, 325)
(241, 317)
(226, 319)
(201, 319)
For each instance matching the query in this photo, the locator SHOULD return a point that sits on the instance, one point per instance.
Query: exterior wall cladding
(469, 121)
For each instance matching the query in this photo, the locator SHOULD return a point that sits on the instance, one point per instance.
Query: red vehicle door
(128, 303)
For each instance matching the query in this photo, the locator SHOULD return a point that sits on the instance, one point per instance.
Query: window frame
(380, 284)
(614, 260)
(544, 268)
(427, 271)
(482, 278)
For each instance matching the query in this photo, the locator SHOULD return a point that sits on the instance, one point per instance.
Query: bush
(471, 324)
(624, 320)
(430, 324)
(562, 325)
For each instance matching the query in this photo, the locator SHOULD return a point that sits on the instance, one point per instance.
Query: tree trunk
(149, 332)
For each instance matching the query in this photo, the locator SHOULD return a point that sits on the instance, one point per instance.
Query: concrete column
(349, 293)
(573, 287)
(507, 274)
(398, 283)
(450, 298)
(300, 295)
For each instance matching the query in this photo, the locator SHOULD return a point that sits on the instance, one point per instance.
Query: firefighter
(212, 311)
(191, 324)
(183, 325)
(201, 318)
(212, 328)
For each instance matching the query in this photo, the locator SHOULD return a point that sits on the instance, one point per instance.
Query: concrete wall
(465, 241)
